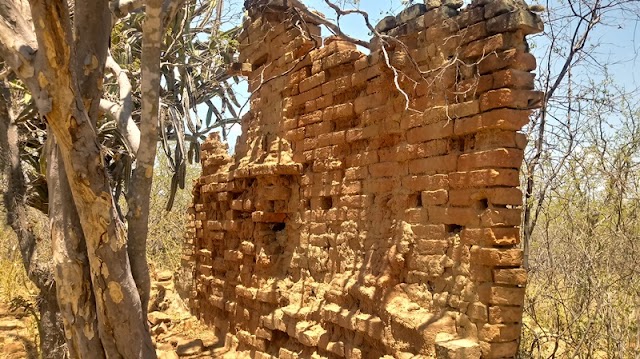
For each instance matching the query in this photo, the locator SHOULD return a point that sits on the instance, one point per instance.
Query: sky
(618, 39)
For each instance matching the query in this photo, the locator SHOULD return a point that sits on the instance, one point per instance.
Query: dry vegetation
(584, 279)
(583, 295)
(166, 229)
(166, 232)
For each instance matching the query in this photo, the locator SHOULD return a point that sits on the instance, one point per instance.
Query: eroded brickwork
(359, 221)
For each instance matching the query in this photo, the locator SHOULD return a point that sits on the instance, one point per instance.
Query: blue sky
(618, 40)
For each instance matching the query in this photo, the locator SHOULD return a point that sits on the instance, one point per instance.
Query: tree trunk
(71, 265)
(139, 194)
(122, 324)
(52, 342)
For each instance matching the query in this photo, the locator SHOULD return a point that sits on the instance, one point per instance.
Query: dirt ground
(17, 334)
(176, 333)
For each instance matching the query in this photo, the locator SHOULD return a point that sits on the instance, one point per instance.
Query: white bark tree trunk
(140, 192)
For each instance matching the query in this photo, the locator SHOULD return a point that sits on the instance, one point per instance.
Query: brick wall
(359, 221)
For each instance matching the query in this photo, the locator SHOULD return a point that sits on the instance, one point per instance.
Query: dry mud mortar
(347, 225)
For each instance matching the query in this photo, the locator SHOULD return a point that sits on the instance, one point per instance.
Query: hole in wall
(270, 206)
(326, 202)
(416, 200)
(453, 228)
(278, 227)
(259, 62)
(431, 286)
(481, 204)
(456, 144)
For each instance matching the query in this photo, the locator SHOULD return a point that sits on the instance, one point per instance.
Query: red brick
(425, 183)
(499, 295)
(498, 158)
(508, 98)
(501, 217)
(337, 86)
(312, 82)
(316, 129)
(431, 246)
(362, 158)
(505, 196)
(386, 169)
(495, 196)
(490, 236)
(429, 231)
(512, 58)
(521, 20)
(503, 314)
(515, 79)
(503, 119)
(512, 276)
(453, 215)
(499, 350)
(478, 312)
(355, 173)
(485, 178)
(497, 138)
(433, 165)
(381, 185)
(399, 153)
(339, 112)
(302, 98)
(484, 46)
(499, 333)
(433, 131)
(496, 256)
(435, 198)
(339, 58)
(331, 138)
(464, 109)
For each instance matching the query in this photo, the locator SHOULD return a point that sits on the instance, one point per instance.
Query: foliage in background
(166, 233)
(167, 228)
(581, 181)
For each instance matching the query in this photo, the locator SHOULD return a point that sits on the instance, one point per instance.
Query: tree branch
(122, 112)
(18, 43)
(122, 8)
(317, 19)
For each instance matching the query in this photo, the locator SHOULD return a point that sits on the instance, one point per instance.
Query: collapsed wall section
(372, 206)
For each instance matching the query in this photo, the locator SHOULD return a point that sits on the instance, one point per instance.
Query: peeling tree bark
(77, 302)
(122, 325)
(139, 194)
(52, 341)
(92, 20)
(71, 265)
(63, 69)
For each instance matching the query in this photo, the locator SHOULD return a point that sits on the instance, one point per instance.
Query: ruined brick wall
(359, 221)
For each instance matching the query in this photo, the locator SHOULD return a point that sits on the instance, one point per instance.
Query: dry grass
(13, 278)
(167, 229)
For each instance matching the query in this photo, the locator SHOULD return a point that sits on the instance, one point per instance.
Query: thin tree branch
(122, 112)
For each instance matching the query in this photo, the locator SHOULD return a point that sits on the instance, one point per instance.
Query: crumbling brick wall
(357, 220)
